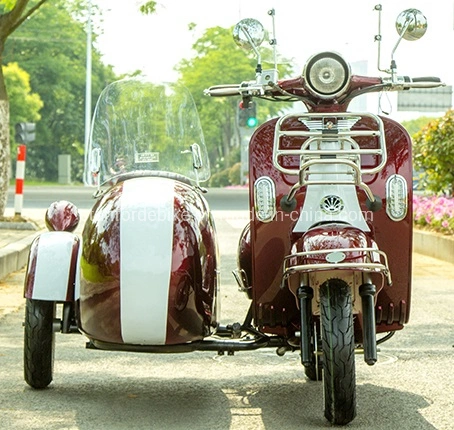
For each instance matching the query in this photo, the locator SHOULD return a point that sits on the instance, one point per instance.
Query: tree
(433, 150)
(148, 7)
(13, 14)
(24, 104)
(415, 125)
(52, 49)
(219, 61)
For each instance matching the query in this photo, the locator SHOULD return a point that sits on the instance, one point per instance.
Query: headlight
(327, 75)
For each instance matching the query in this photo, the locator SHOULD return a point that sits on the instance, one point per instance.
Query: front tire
(338, 344)
(39, 343)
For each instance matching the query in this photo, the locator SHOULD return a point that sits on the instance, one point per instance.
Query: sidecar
(141, 275)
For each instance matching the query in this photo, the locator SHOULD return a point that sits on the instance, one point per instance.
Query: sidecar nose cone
(62, 216)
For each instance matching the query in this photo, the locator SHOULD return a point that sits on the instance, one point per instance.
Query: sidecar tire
(39, 343)
(338, 344)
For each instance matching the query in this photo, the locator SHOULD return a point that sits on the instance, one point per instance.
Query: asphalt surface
(411, 386)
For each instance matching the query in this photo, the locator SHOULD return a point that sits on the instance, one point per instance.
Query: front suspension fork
(305, 295)
(367, 292)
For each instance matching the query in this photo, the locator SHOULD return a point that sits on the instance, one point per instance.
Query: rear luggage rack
(330, 154)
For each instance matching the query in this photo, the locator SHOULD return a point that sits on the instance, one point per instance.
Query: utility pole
(88, 90)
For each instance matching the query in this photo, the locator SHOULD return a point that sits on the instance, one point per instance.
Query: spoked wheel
(39, 343)
(339, 384)
(314, 370)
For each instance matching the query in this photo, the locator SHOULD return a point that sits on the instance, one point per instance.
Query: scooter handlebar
(223, 90)
(406, 83)
(427, 79)
(255, 89)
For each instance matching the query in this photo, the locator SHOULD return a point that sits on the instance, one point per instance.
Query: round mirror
(411, 24)
(248, 33)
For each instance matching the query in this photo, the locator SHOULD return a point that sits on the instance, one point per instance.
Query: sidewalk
(15, 241)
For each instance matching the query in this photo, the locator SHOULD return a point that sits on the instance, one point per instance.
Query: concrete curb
(434, 245)
(14, 256)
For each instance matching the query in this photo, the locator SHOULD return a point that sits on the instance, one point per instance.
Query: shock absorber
(305, 295)
(367, 292)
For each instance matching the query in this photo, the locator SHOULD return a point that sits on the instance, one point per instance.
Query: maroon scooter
(325, 259)
(326, 256)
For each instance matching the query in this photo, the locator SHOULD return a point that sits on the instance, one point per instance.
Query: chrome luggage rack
(375, 261)
(315, 153)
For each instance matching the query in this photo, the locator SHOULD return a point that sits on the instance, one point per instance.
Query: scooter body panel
(271, 242)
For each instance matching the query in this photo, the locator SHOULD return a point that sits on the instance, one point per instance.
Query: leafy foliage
(433, 149)
(218, 60)
(24, 105)
(6, 6)
(415, 125)
(51, 47)
(148, 8)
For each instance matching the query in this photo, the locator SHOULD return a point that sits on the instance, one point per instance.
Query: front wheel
(338, 345)
(39, 343)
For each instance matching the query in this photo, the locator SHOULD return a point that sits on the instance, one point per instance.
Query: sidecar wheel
(339, 384)
(39, 343)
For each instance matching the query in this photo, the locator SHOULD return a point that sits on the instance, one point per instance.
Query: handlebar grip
(223, 90)
(426, 79)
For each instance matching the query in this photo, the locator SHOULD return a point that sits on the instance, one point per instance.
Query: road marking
(243, 414)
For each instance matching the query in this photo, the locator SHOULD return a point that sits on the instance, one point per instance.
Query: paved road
(411, 387)
(40, 197)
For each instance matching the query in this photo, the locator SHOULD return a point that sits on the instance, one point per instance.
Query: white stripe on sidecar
(146, 242)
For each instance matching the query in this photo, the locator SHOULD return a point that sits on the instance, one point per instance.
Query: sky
(156, 43)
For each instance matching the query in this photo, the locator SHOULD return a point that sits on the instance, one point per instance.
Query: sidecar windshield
(141, 126)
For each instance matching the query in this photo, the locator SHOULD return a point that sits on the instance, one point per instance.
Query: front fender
(51, 267)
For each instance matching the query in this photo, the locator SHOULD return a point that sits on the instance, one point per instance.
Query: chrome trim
(242, 280)
(401, 180)
(371, 266)
(341, 64)
(320, 134)
(321, 131)
(259, 205)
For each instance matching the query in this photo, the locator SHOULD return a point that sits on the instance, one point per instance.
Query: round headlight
(327, 74)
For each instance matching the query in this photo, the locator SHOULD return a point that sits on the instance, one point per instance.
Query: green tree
(52, 49)
(415, 125)
(218, 60)
(148, 7)
(24, 104)
(433, 152)
(13, 13)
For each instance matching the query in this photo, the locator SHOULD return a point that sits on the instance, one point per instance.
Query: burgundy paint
(271, 242)
(62, 216)
(193, 281)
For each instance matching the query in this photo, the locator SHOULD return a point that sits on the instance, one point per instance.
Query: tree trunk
(4, 146)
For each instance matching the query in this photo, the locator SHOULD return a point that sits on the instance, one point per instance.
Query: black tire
(39, 343)
(338, 345)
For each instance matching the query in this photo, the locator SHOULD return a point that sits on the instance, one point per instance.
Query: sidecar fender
(51, 268)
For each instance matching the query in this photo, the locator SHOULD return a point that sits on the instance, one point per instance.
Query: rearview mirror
(411, 24)
(249, 34)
